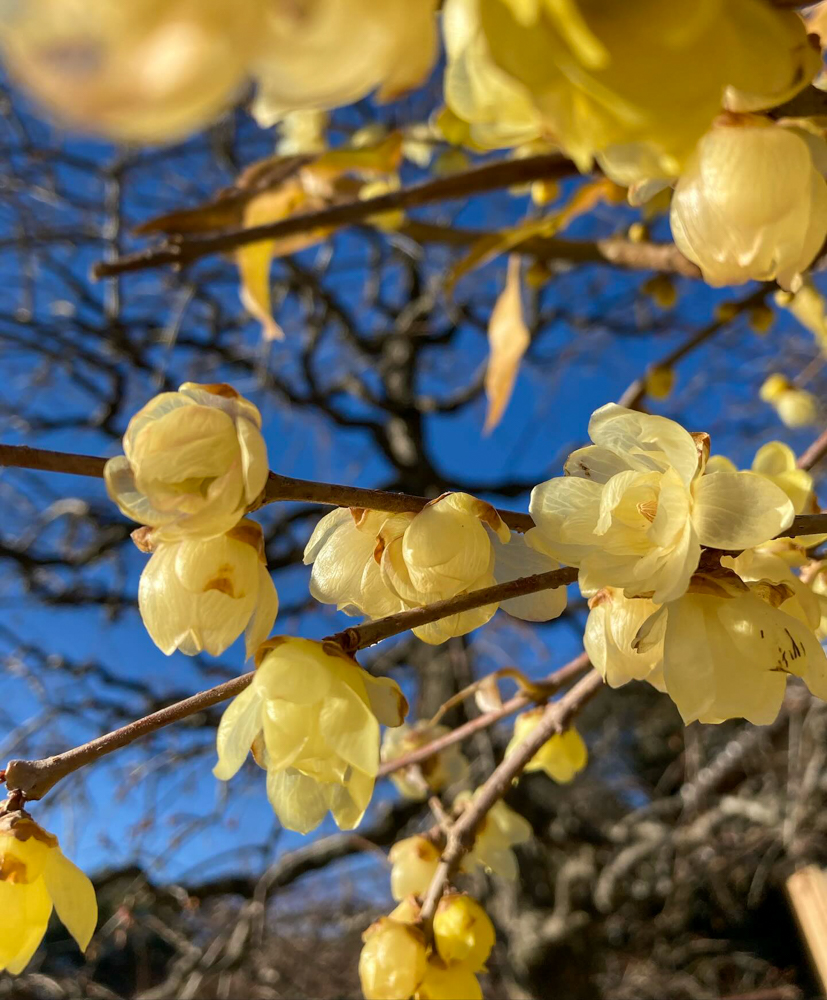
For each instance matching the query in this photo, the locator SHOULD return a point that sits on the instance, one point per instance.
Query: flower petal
(73, 896)
(738, 510)
(299, 802)
(517, 559)
(267, 607)
(239, 726)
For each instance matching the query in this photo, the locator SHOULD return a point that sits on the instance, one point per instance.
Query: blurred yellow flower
(35, 876)
(199, 595)
(448, 982)
(500, 831)
(413, 863)
(320, 714)
(393, 960)
(432, 775)
(561, 757)
(634, 508)
(463, 932)
(795, 407)
(193, 461)
(751, 204)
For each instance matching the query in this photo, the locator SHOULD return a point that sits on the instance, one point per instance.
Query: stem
(184, 250)
(461, 838)
(814, 454)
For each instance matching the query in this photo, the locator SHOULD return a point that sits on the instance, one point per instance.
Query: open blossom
(414, 861)
(35, 876)
(642, 75)
(393, 960)
(430, 776)
(751, 203)
(193, 461)
(561, 757)
(795, 407)
(611, 628)
(634, 508)
(200, 594)
(500, 831)
(319, 713)
(139, 70)
(729, 645)
(327, 53)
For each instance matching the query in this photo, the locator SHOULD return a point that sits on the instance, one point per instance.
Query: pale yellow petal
(299, 802)
(73, 896)
(239, 726)
(387, 702)
(518, 559)
(739, 510)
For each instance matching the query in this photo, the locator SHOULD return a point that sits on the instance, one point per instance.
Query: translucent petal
(387, 702)
(254, 465)
(297, 670)
(647, 443)
(518, 559)
(299, 802)
(739, 510)
(73, 896)
(267, 606)
(325, 529)
(595, 463)
(239, 726)
(351, 729)
(348, 802)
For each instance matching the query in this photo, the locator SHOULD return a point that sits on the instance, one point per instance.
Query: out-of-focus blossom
(413, 863)
(561, 757)
(500, 831)
(463, 932)
(319, 712)
(795, 407)
(193, 461)
(393, 960)
(430, 776)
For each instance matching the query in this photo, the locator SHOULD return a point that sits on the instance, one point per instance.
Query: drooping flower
(200, 594)
(413, 863)
(728, 647)
(634, 508)
(319, 712)
(463, 932)
(500, 831)
(327, 53)
(36, 876)
(393, 960)
(445, 981)
(796, 407)
(430, 776)
(146, 70)
(642, 80)
(613, 623)
(561, 757)
(193, 461)
(751, 203)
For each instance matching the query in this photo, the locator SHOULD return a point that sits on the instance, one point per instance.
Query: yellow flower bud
(661, 289)
(193, 461)
(760, 319)
(414, 861)
(303, 132)
(35, 876)
(660, 381)
(561, 757)
(448, 982)
(320, 714)
(432, 775)
(392, 963)
(199, 595)
(751, 204)
(463, 931)
(144, 70)
(795, 407)
(774, 387)
(638, 232)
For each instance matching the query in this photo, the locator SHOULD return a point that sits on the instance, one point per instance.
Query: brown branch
(489, 177)
(552, 683)
(461, 838)
(814, 454)
(20, 456)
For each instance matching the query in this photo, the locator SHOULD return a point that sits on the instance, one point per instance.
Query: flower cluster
(397, 963)
(35, 877)
(375, 564)
(311, 718)
(149, 71)
(193, 461)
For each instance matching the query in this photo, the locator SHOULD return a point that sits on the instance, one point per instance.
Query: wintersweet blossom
(193, 461)
(611, 628)
(561, 757)
(36, 876)
(463, 932)
(642, 79)
(414, 861)
(319, 713)
(729, 645)
(393, 960)
(143, 70)
(751, 203)
(200, 594)
(327, 53)
(430, 776)
(500, 831)
(795, 407)
(634, 508)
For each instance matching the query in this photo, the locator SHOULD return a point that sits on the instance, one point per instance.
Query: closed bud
(661, 290)
(414, 861)
(463, 931)
(760, 319)
(448, 982)
(198, 595)
(393, 960)
(193, 461)
(660, 380)
(561, 757)
(36, 876)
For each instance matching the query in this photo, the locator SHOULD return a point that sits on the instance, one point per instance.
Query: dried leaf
(487, 696)
(508, 338)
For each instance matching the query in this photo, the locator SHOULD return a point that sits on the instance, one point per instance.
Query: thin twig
(814, 454)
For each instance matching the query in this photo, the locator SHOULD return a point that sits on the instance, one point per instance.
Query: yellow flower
(448, 982)
(392, 963)
(35, 875)
(751, 203)
(320, 714)
(561, 757)
(634, 508)
(201, 594)
(643, 79)
(326, 53)
(611, 628)
(432, 775)
(142, 70)
(795, 407)
(463, 932)
(194, 460)
(413, 863)
(728, 647)
(500, 830)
